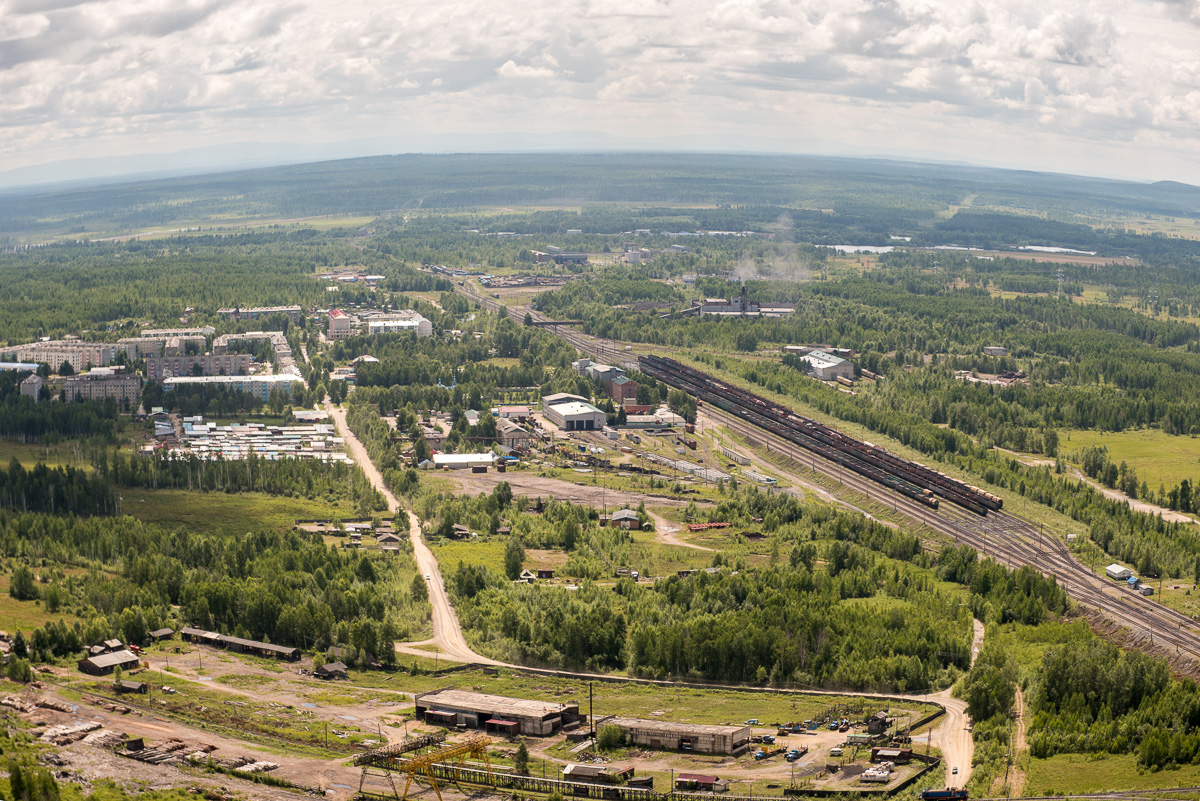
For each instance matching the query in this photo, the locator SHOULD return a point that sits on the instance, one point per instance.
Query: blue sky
(1082, 86)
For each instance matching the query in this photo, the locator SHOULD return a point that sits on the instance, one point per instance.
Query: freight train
(911, 479)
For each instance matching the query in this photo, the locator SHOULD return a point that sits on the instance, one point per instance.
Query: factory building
(694, 737)
(452, 708)
(159, 367)
(258, 385)
(339, 325)
(576, 416)
(463, 461)
(739, 306)
(560, 397)
(510, 434)
(292, 312)
(101, 384)
(828, 367)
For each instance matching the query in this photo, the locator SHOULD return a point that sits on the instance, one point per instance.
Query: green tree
(990, 687)
(521, 758)
(514, 557)
(419, 591)
(22, 585)
(609, 738)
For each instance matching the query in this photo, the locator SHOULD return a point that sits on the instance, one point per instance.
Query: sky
(1093, 87)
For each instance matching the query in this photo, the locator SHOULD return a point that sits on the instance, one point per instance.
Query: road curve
(952, 736)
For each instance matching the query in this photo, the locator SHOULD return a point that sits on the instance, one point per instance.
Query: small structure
(463, 461)
(1118, 573)
(388, 539)
(333, 670)
(527, 577)
(126, 686)
(994, 350)
(544, 573)
(626, 519)
(877, 723)
(592, 774)
(700, 781)
(104, 664)
(898, 756)
(158, 635)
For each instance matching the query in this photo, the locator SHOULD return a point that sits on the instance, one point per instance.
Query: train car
(949, 794)
(846, 382)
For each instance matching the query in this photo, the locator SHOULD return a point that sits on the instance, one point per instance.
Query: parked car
(760, 754)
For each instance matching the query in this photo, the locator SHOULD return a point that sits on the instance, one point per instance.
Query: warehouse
(576, 416)
(828, 367)
(105, 664)
(1118, 573)
(695, 737)
(463, 461)
(238, 644)
(494, 712)
(558, 398)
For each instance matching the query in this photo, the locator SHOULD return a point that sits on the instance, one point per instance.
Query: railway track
(1004, 537)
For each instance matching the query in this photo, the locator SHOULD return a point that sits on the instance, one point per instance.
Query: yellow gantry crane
(475, 746)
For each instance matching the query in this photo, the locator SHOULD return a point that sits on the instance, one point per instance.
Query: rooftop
(113, 659)
(492, 704)
(669, 726)
(576, 407)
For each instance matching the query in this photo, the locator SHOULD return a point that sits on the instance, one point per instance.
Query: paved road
(952, 736)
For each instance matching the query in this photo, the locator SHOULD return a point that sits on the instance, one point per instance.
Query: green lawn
(1158, 457)
(224, 513)
(1074, 774)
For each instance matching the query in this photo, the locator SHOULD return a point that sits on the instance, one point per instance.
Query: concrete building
(451, 708)
(285, 362)
(159, 367)
(576, 416)
(293, 312)
(159, 333)
(399, 323)
(101, 384)
(1118, 573)
(560, 397)
(994, 350)
(258, 385)
(695, 737)
(55, 353)
(828, 367)
(623, 389)
(339, 325)
(739, 306)
(105, 664)
(510, 434)
(663, 418)
(31, 387)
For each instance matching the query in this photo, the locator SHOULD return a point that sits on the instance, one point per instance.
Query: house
(387, 539)
(877, 723)
(158, 635)
(333, 670)
(544, 573)
(626, 519)
(527, 577)
(104, 664)
(700, 781)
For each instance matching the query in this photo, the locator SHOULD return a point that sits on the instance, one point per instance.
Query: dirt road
(535, 486)
(665, 532)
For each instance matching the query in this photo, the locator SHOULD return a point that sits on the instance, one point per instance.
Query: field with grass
(64, 454)
(218, 512)
(488, 552)
(25, 615)
(1075, 774)
(1159, 458)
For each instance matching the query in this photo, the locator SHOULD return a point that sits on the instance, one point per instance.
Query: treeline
(845, 603)
(25, 420)
(287, 588)
(55, 490)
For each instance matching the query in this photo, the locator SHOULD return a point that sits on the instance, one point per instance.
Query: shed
(510, 727)
(158, 635)
(126, 686)
(333, 670)
(104, 664)
(544, 573)
(1118, 573)
(900, 756)
(877, 723)
(626, 519)
(593, 774)
(700, 781)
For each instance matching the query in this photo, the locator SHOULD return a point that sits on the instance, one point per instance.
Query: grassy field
(1158, 457)
(224, 513)
(25, 615)
(1074, 774)
(64, 454)
(486, 552)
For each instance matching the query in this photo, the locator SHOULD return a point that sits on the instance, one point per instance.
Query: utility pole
(591, 712)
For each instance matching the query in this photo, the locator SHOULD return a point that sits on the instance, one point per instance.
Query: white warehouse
(828, 367)
(576, 416)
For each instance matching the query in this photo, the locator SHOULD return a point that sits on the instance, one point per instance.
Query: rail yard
(970, 516)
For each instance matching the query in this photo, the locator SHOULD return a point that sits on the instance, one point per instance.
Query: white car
(954, 771)
(427, 579)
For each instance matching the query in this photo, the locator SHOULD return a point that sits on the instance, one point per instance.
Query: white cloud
(1077, 77)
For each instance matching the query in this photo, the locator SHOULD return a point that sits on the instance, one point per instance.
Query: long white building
(258, 385)
(400, 322)
(77, 353)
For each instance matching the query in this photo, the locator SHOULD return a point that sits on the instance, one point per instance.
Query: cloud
(1080, 76)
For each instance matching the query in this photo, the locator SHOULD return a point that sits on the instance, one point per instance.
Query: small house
(877, 723)
(126, 686)
(626, 519)
(158, 635)
(104, 664)
(1118, 573)
(544, 573)
(388, 539)
(333, 670)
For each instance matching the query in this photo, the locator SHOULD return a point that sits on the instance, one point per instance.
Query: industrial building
(55, 353)
(104, 664)
(994, 350)
(828, 367)
(576, 416)
(293, 312)
(511, 435)
(237, 644)
(695, 737)
(463, 461)
(663, 418)
(159, 367)
(739, 306)
(339, 325)
(452, 708)
(101, 384)
(258, 385)
(560, 397)
(620, 387)
(1118, 573)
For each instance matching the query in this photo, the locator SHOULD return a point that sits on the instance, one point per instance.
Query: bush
(610, 738)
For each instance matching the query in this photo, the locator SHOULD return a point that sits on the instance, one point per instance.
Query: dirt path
(1138, 506)
(665, 532)
(1016, 779)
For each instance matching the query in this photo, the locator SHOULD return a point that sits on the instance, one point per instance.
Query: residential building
(285, 362)
(159, 367)
(56, 353)
(31, 387)
(104, 664)
(339, 325)
(399, 323)
(258, 385)
(101, 384)
(293, 312)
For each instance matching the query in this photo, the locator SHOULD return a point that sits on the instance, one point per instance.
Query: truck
(949, 794)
